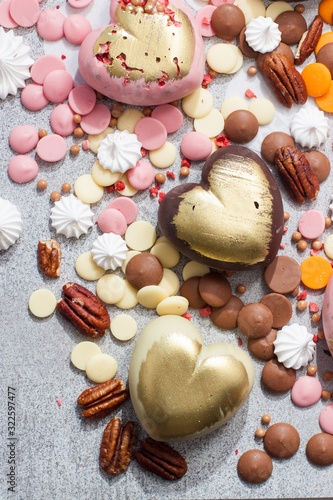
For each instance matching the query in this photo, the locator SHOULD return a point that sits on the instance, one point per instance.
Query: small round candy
(112, 221)
(23, 138)
(296, 236)
(66, 187)
(260, 432)
(316, 272)
(281, 440)
(42, 184)
(196, 146)
(312, 224)
(82, 352)
(184, 171)
(57, 85)
(22, 169)
(76, 28)
(255, 466)
(266, 418)
(42, 303)
(55, 196)
(160, 178)
(306, 391)
(241, 126)
(311, 370)
(302, 245)
(75, 149)
(101, 368)
(42, 133)
(52, 148)
(143, 270)
(302, 305)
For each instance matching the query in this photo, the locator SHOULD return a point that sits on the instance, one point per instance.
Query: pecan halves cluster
(296, 173)
(49, 257)
(84, 310)
(117, 446)
(161, 459)
(309, 40)
(99, 401)
(285, 81)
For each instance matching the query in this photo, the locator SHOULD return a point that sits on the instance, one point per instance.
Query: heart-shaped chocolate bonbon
(181, 389)
(233, 219)
(144, 59)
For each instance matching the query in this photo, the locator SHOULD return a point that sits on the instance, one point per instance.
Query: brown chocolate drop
(281, 440)
(215, 289)
(190, 290)
(319, 449)
(276, 377)
(241, 126)
(255, 466)
(255, 320)
(283, 275)
(227, 21)
(282, 48)
(325, 56)
(263, 348)
(292, 26)
(274, 141)
(319, 164)
(245, 47)
(226, 317)
(280, 307)
(144, 269)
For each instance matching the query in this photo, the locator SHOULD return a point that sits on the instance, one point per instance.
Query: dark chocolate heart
(233, 219)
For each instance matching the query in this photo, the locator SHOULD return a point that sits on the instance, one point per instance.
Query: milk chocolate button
(319, 449)
(245, 47)
(144, 269)
(263, 348)
(255, 320)
(272, 142)
(325, 56)
(280, 307)
(292, 26)
(190, 290)
(283, 275)
(227, 21)
(226, 317)
(241, 126)
(282, 48)
(255, 466)
(215, 289)
(276, 377)
(319, 163)
(281, 440)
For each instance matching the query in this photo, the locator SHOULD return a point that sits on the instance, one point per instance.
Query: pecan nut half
(49, 257)
(296, 173)
(285, 81)
(161, 459)
(309, 40)
(84, 310)
(117, 446)
(99, 401)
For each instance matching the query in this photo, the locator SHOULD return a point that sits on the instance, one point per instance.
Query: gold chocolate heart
(181, 389)
(233, 219)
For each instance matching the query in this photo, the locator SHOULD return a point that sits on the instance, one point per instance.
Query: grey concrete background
(56, 452)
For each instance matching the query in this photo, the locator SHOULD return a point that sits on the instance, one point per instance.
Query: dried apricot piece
(325, 102)
(316, 272)
(317, 79)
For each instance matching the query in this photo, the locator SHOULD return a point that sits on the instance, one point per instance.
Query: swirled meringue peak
(71, 217)
(10, 224)
(14, 63)
(109, 251)
(262, 34)
(309, 127)
(294, 346)
(120, 151)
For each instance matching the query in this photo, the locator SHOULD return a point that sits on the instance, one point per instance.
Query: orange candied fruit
(325, 102)
(316, 272)
(326, 11)
(323, 40)
(317, 79)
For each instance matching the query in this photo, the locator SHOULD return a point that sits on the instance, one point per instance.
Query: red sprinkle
(240, 342)
(282, 245)
(313, 308)
(171, 174)
(285, 229)
(158, 186)
(236, 451)
(110, 189)
(205, 20)
(143, 152)
(302, 295)
(185, 163)
(58, 7)
(206, 311)
(161, 196)
(221, 141)
(120, 186)
(59, 401)
(187, 316)
(315, 338)
(249, 94)
(313, 252)
(63, 57)
(153, 191)
(206, 80)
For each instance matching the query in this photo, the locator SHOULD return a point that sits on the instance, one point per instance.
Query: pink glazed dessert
(327, 314)
(144, 58)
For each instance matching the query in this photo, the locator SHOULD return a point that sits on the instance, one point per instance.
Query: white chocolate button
(193, 268)
(86, 267)
(239, 62)
(328, 246)
(170, 282)
(211, 124)
(166, 253)
(129, 255)
(222, 57)
(123, 327)
(128, 119)
(276, 8)
(104, 176)
(95, 140)
(82, 352)
(165, 156)
(172, 305)
(129, 299)
(263, 109)
(150, 296)
(251, 9)
(199, 103)
(110, 288)
(232, 103)
(101, 368)
(42, 303)
(87, 190)
(140, 235)
(129, 190)
(214, 147)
